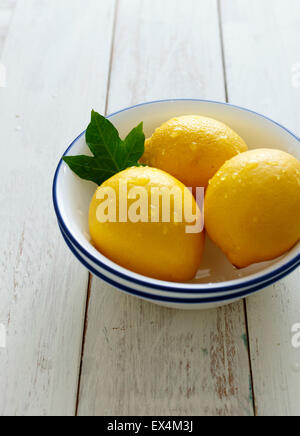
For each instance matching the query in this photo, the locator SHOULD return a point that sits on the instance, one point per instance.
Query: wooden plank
(58, 72)
(261, 41)
(170, 51)
(141, 359)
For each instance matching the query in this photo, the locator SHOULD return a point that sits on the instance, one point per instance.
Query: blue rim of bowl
(203, 300)
(166, 286)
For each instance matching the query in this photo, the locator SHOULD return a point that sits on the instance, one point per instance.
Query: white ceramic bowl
(218, 282)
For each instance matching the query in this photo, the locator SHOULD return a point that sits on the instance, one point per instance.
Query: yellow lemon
(192, 148)
(126, 224)
(252, 206)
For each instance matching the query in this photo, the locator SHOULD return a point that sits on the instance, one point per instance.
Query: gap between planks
(223, 49)
(250, 361)
(251, 381)
(88, 297)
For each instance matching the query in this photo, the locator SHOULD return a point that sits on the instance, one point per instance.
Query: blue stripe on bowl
(181, 291)
(164, 286)
(206, 300)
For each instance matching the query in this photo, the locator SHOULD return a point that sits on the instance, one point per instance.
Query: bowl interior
(74, 195)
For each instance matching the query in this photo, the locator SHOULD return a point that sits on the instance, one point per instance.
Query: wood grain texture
(166, 50)
(6, 11)
(57, 69)
(261, 41)
(140, 359)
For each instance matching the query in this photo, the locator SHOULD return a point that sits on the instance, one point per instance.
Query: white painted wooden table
(74, 345)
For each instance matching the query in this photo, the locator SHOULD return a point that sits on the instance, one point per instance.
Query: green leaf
(103, 139)
(134, 146)
(111, 154)
(89, 168)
